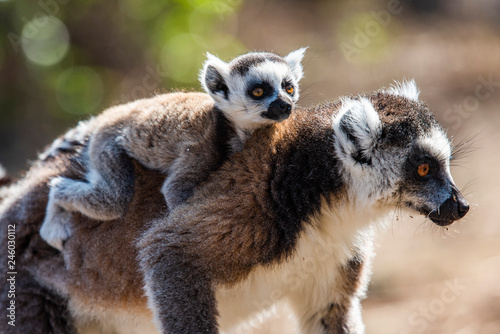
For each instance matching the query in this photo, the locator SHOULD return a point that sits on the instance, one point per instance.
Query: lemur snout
(278, 110)
(462, 208)
(454, 208)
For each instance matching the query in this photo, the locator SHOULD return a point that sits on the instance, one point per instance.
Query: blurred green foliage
(63, 60)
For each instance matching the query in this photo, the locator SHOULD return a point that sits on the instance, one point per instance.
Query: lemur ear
(357, 129)
(406, 88)
(294, 60)
(212, 77)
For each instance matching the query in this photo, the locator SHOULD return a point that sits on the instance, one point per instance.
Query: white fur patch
(436, 142)
(221, 66)
(294, 59)
(406, 88)
(367, 182)
(308, 279)
(364, 122)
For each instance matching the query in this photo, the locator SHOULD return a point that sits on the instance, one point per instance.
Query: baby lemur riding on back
(165, 134)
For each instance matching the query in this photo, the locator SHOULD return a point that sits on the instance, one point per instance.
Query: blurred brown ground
(425, 279)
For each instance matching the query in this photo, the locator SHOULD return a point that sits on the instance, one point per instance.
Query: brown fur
(181, 135)
(247, 217)
(40, 307)
(98, 267)
(232, 212)
(90, 275)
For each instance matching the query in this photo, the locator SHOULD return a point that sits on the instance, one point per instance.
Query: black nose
(278, 110)
(284, 107)
(462, 207)
(454, 208)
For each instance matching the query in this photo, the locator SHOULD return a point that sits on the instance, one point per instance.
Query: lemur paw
(60, 184)
(62, 190)
(56, 227)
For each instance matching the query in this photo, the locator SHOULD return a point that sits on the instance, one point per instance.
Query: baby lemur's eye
(289, 89)
(258, 92)
(423, 170)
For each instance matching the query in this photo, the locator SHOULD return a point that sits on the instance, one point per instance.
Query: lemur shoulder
(184, 135)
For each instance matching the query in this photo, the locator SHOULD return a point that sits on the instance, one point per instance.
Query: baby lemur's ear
(212, 77)
(294, 60)
(357, 129)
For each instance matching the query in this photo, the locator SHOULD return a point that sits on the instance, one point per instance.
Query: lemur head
(393, 152)
(256, 88)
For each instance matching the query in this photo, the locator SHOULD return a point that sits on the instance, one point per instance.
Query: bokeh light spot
(182, 58)
(45, 40)
(210, 32)
(219, 7)
(363, 39)
(141, 10)
(79, 90)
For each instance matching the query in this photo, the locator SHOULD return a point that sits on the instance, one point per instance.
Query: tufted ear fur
(357, 129)
(213, 78)
(406, 88)
(294, 60)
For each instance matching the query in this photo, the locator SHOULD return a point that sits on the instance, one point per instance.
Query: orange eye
(289, 89)
(423, 170)
(258, 92)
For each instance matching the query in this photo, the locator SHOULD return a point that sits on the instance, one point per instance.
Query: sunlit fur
(437, 143)
(406, 88)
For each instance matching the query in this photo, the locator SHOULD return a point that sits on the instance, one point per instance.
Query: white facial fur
(244, 111)
(436, 142)
(438, 146)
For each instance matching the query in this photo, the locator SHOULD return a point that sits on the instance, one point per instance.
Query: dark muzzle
(454, 208)
(278, 110)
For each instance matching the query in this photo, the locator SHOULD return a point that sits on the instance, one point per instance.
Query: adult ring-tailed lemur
(290, 217)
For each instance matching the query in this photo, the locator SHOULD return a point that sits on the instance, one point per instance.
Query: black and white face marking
(393, 152)
(428, 185)
(256, 88)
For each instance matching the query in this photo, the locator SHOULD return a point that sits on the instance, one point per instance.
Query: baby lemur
(165, 133)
